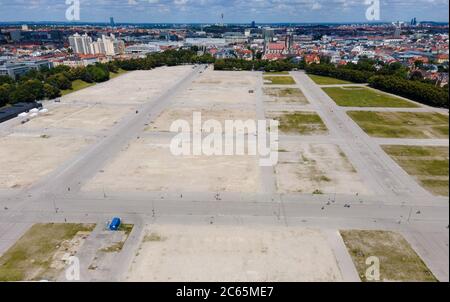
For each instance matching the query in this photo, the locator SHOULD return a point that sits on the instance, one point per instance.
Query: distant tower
(398, 29)
(111, 22)
(289, 41)
(222, 17)
(253, 24)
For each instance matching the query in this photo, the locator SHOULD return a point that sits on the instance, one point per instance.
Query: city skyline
(234, 11)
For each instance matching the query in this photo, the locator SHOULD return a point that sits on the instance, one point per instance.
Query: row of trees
(168, 58)
(347, 74)
(259, 65)
(393, 78)
(48, 83)
(424, 93)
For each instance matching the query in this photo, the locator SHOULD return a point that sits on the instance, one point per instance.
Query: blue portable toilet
(115, 224)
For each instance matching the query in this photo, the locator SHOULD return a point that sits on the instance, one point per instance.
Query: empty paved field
(428, 165)
(148, 165)
(358, 96)
(89, 117)
(402, 124)
(165, 120)
(316, 169)
(135, 87)
(27, 158)
(235, 254)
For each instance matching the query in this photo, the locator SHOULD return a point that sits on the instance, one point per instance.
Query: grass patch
(365, 97)
(120, 72)
(276, 72)
(279, 80)
(153, 237)
(436, 186)
(416, 151)
(126, 228)
(30, 258)
(301, 123)
(114, 248)
(118, 246)
(428, 165)
(398, 261)
(286, 95)
(77, 85)
(401, 124)
(321, 80)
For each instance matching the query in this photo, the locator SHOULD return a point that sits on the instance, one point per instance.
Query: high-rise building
(80, 44)
(269, 34)
(253, 25)
(107, 45)
(111, 22)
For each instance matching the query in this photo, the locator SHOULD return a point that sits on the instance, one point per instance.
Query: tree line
(393, 78)
(48, 83)
(258, 65)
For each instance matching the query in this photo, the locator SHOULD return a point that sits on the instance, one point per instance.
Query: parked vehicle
(115, 224)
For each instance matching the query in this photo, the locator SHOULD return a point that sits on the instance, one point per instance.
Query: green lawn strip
(398, 261)
(276, 72)
(321, 80)
(365, 97)
(287, 94)
(120, 72)
(280, 80)
(416, 151)
(301, 122)
(29, 259)
(435, 186)
(77, 85)
(401, 124)
(429, 165)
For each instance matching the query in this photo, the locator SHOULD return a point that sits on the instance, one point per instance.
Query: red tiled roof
(275, 46)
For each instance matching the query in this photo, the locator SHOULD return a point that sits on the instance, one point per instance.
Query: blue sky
(202, 11)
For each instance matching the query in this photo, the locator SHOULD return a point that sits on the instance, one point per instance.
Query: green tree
(51, 91)
(5, 91)
(5, 80)
(60, 81)
(28, 91)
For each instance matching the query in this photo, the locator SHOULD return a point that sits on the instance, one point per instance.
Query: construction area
(350, 161)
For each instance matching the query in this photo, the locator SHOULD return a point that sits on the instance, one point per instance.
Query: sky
(234, 11)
